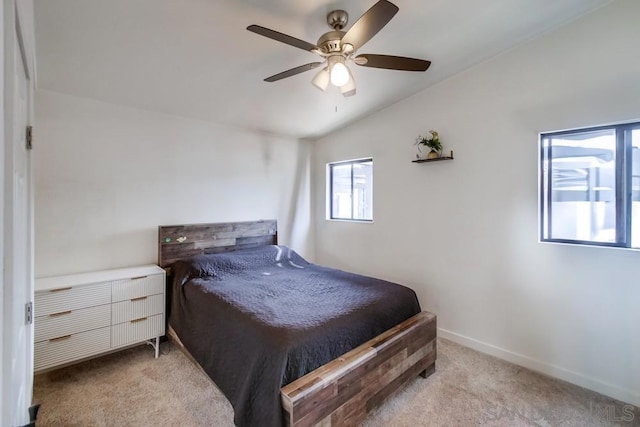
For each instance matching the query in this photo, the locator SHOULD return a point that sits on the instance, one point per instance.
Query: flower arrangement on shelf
(432, 141)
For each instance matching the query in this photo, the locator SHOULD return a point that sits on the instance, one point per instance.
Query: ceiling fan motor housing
(331, 42)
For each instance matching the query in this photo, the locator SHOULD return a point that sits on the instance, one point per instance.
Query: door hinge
(29, 312)
(29, 137)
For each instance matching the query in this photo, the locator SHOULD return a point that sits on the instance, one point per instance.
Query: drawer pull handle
(62, 313)
(60, 289)
(60, 338)
(139, 277)
(139, 320)
(138, 299)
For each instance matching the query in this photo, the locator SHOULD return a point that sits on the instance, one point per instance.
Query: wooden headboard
(176, 242)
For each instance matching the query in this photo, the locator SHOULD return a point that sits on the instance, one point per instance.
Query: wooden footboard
(343, 391)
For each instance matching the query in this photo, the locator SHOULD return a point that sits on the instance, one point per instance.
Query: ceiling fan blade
(293, 71)
(282, 38)
(370, 23)
(392, 62)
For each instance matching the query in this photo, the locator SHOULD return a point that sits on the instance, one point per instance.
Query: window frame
(330, 167)
(623, 185)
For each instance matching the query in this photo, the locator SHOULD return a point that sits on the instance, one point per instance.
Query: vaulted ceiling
(194, 58)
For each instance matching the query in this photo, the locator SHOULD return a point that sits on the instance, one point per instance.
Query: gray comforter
(258, 319)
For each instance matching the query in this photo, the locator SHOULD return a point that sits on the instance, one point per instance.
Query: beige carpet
(131, 388)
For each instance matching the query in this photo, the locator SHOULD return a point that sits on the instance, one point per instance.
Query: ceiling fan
(338, 49)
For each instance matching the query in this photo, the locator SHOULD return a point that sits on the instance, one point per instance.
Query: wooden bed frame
(343, 391)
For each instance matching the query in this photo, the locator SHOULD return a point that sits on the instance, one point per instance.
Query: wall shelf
(437, 159)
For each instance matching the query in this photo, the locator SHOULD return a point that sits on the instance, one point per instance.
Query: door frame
(16, 29)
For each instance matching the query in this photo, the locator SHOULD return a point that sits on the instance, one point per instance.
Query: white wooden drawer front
(66, 349)
(72, 322)
(127, 289)
(72, 298)
(137, 330)
(136, 308)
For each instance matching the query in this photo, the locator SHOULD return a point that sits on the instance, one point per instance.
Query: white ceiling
(194, 58)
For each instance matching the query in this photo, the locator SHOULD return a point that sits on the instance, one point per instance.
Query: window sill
(587, 245)
(357, 221)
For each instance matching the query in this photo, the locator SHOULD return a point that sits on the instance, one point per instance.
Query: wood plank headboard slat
(176, 242)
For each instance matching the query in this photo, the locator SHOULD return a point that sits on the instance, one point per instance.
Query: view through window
(590, 186)
(350, 191)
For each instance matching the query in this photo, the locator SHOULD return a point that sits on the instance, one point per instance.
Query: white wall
(107, 176)
(464, 233)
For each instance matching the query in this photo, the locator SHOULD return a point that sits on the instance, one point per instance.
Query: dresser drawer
(128, 289)
(137, 330)
(136, 308)
(68, 348)
(71, 322)
(71, 298)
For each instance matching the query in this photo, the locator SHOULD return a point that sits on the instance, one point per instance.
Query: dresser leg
(155, 345)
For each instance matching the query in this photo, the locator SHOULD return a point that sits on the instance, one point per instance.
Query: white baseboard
(582, 380)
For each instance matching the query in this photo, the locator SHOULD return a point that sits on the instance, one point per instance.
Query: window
(350, 190)
(590, 186)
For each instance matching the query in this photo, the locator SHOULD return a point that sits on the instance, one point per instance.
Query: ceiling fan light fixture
(349, 89)
(321, 80)
(349, 93)
(339, 74)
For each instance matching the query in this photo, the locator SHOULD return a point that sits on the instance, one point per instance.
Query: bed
(289, 342)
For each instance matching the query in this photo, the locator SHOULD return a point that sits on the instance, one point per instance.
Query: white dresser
(82, 315)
